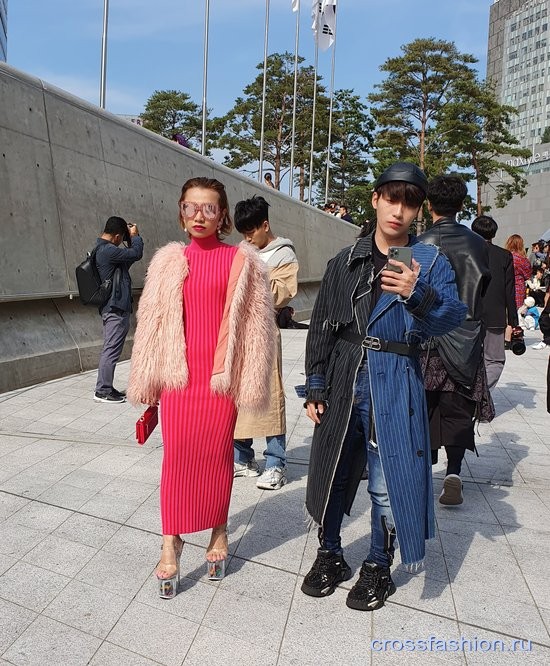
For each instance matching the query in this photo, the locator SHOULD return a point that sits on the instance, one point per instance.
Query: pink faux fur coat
(246, 343)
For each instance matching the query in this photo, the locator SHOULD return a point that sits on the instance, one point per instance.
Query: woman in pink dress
(203, 348)
(522, 273)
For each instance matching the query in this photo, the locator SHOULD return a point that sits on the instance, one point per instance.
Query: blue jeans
(382, 524)
(275, 453)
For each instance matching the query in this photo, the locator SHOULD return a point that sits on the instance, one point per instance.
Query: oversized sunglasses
(210, 211)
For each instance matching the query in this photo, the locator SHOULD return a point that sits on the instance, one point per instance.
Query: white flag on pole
(295, 5)
(323, 13)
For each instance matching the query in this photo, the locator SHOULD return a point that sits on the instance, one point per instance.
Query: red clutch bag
(146, 424)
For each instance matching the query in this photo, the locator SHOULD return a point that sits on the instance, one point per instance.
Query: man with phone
(365, 394)
(454, 401)
(113, 262)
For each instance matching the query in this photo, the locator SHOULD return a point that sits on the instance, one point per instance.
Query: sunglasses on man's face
(210, 211)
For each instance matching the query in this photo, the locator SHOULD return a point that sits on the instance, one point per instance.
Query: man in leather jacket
(453, 407)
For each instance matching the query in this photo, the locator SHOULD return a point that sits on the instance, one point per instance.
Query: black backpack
(91, 289)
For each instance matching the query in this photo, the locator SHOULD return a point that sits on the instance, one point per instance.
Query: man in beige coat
(252, 221)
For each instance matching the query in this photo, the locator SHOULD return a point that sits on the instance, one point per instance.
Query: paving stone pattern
(80, 537)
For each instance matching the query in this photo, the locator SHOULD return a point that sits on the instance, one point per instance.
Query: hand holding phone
(394, 278)
(402, 254)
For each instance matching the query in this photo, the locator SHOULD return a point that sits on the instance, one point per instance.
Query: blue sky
(159, 45)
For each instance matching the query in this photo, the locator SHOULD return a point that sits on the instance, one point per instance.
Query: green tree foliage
(545, 138)
(419, 84)
(242, 124)
(474, 127)
(169, 112)
(351, 141)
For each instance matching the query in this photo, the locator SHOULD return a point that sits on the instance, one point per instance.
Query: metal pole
(102, 84)
(205, 75)
(313, 113)
(330, 110)
(262, 131)
(296, 45)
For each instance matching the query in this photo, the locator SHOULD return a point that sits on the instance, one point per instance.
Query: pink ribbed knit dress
(197, 425)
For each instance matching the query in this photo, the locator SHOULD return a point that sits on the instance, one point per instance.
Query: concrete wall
(65, 167)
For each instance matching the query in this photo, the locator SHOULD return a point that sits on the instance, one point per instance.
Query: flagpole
(205, 75)
(296, 45)
(103, 78)
(317, 17)
(330, 107)
(262, 131)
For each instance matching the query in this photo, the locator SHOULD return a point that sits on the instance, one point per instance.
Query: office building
(518, 63)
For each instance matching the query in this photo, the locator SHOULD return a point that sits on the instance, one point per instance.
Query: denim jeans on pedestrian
(275, 453)
(380, 509)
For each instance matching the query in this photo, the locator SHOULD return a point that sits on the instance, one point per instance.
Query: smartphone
(403, 254)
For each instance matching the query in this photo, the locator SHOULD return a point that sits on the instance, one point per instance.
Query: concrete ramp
(65, 167)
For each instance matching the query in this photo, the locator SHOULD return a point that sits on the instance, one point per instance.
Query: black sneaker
(372, 589)
(328, 570)
(109, 397)
(121, 394)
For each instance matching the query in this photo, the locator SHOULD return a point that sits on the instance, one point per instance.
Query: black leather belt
(377, 344)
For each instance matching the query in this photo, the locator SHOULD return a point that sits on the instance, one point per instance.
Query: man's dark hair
(446, 194)
(344, 207)
(117, 225)
(250, 214)
(402, 192)
(485, 226)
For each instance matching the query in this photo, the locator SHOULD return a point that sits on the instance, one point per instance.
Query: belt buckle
(370, 342)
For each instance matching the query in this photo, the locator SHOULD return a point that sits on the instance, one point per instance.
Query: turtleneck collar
(208, 243)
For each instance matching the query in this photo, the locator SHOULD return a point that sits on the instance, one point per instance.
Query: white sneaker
(539, 345)
(250, 469)
(272, 479)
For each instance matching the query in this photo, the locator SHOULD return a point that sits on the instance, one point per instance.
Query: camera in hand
(517, 343)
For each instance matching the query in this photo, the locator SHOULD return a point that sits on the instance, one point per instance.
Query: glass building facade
(519, 63)
(3, 30)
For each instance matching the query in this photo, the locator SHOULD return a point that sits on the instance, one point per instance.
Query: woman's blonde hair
(516, 244)
(210, 184)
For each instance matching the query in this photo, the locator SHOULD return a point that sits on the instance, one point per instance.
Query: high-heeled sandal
(168, 587)
(215, 569)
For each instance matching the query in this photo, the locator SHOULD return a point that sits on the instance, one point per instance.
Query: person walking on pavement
(113, 261)
(365, 394)
(499, 302)
(454, 405)
(252, 221)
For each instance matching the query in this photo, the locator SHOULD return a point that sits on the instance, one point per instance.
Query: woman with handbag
(203, 348)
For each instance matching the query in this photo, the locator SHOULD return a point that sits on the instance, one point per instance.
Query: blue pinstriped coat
(397, 389)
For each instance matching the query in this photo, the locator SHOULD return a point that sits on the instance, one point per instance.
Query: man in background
(499, 301)
(113, 261)
(452, 404)
(252, 221)
(344, 214)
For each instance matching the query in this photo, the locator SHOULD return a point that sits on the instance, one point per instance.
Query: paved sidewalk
(79, 538)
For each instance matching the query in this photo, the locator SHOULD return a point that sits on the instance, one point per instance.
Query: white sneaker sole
(109, 402)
